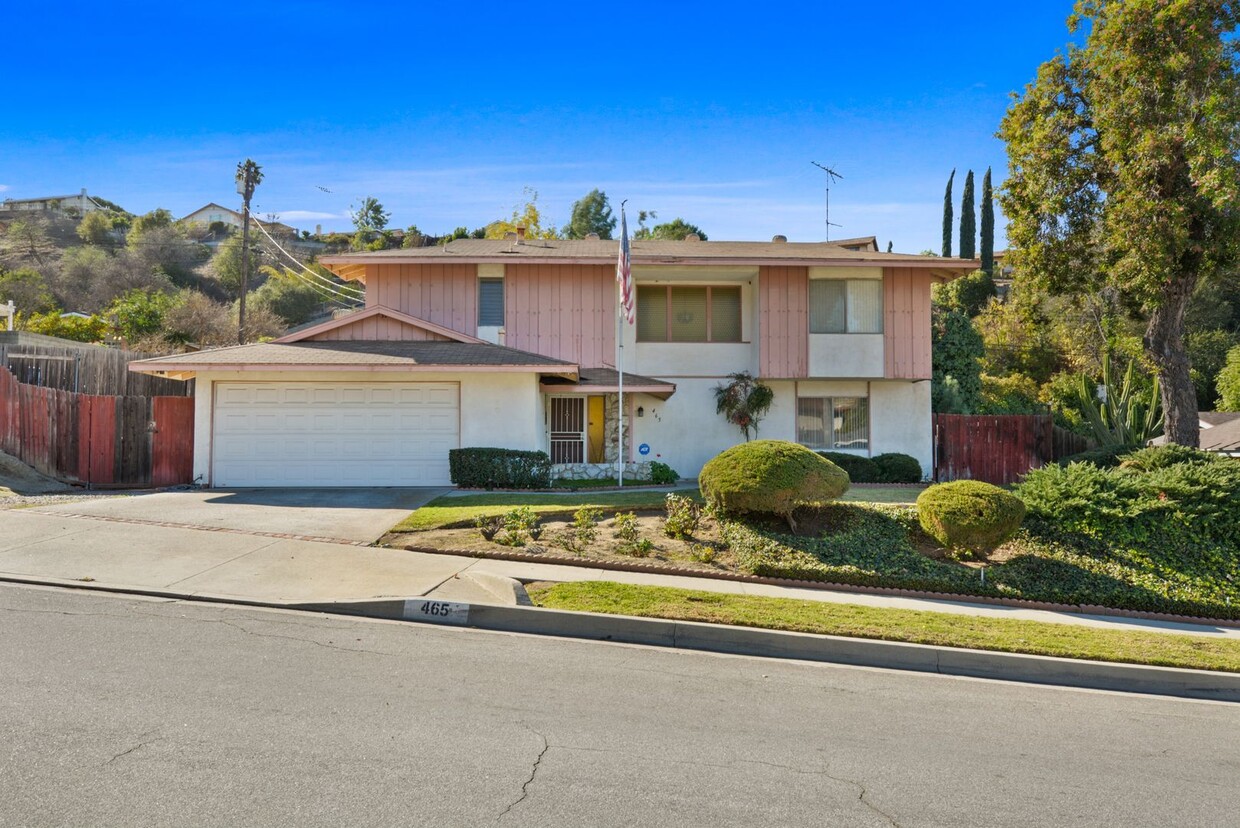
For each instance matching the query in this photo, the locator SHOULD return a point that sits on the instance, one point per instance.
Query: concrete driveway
(358, 515)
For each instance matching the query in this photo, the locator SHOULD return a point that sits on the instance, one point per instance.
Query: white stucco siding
(683, 431)
(846, 355)
(496, 409)
(900, 421)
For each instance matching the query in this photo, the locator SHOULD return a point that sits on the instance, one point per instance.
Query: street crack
(525, 786)
(143, 740)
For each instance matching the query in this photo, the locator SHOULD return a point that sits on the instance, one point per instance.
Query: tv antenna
(832, 176)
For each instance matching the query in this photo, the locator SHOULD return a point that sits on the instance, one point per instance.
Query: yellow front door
(594, 431)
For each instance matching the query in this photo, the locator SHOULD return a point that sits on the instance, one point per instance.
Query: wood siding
(378, 327)
(562, 311)
(783, 336)
(446, 294)
(906, 323)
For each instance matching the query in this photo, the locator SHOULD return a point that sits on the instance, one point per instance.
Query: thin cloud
(4, 188)
(308, 215)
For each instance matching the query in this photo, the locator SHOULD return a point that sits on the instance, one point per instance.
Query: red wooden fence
(87, 438)
(993, 448)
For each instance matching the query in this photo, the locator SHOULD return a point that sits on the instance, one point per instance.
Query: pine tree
(968, 220)
(947, 217)
(988, 225)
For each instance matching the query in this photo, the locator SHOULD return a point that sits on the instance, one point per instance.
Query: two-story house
(512, 343)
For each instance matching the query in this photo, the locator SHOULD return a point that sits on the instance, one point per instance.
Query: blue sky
(446, 112)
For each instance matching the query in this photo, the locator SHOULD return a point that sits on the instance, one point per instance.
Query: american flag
(624, 271)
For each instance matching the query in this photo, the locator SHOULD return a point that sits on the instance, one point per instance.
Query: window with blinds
(828, 423)
(688, 314)
(845, 306)
(491, 303)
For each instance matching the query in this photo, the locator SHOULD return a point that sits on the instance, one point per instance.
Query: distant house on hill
(80, 203)
(213, 213)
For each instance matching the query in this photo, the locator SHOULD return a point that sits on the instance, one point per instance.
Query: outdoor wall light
(641, 412)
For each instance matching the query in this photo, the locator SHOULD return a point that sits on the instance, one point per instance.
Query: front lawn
(913, 626)
(458, 512)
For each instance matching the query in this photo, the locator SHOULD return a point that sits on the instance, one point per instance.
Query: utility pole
(832, 175)
(249, 175)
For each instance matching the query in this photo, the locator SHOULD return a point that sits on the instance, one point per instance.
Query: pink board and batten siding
(562, 311)
(783, 303)
(445, 294)
(906, 323)
(377, 328)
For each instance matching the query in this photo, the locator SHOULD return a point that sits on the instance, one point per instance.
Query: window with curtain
(491, 303)
(828, 423)
(667, 313)
(845, 306)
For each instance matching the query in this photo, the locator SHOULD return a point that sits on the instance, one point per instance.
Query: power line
(329, 285)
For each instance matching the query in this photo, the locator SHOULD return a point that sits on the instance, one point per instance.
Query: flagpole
(620, 384)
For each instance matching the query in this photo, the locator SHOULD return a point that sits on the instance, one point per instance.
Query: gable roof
(381, 355)
(376, 311)
(651, 252)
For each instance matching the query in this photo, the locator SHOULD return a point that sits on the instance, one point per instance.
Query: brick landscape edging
(825, 586)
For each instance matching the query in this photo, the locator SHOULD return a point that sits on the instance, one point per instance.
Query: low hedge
(969, 514)
(894, 467)
(499, 468)
(1107, 457)
(860, 469)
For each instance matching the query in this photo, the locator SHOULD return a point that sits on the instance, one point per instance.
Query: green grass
(450, 512)
(918, 627)
(883, 494)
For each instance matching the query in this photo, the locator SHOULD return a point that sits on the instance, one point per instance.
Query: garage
(333, 433)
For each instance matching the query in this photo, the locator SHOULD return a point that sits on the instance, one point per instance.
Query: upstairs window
(490, 303)
(688, 314)
(828, 423)
(845, 306)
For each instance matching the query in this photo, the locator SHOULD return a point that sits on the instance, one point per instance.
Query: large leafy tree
(591, 214)
(675, 230)
(1123, 169)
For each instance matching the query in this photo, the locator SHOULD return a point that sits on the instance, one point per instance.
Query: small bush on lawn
(518, 526)
(631, 541)
(497, 468)
(702, 553)
(661, 474)
(860, 469)
(894, 467)
(683, 517)
(770, 477)
(579, 536)
(1104, 458)
(969, 515)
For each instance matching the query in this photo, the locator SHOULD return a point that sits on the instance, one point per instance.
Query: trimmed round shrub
(770, 477)
(894, 467)
(1107, 457)
(969, 514)
(860, 469)
(661, 474)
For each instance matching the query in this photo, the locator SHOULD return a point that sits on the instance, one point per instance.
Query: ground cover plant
(942, 629)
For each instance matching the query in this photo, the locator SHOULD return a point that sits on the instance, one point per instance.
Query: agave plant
(1124, 416)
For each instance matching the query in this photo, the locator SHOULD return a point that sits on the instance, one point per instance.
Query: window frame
(829, 422)
(710, 309)
(848, 312)
(503, 301)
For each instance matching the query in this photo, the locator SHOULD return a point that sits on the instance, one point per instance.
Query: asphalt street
(123, 711)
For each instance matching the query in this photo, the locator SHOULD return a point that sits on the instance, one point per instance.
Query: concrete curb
(717, 638)
(748, 641)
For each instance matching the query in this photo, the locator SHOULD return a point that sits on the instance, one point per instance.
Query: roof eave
(188, 370)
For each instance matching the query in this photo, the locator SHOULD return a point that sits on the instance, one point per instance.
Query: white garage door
(334, 434)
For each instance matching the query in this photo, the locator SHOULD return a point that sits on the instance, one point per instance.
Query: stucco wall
(497, 409)
(900, 420)
(846, 355)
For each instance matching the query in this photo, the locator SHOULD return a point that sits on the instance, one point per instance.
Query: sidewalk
(233, 565)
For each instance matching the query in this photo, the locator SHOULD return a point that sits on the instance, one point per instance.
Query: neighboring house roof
(860, 243)
(1209, 419)
(238, 217)
(351, 319)
(10, 203)
(355, 356)
(590, 251)
(607, 380)
(1220, 432)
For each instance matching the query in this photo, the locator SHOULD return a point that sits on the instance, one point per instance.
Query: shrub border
(557, 559)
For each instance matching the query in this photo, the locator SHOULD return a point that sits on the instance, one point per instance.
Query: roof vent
(520, 233)
(780, 239)
(693, 237)
(591, 236)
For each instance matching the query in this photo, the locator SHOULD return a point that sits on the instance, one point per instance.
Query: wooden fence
(97, 439)
(998, 449)
(83, 369)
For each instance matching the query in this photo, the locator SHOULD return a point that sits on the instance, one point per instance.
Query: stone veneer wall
(599, 471)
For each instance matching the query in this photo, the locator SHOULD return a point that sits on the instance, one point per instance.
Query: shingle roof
(607, 378)
(1217, 418)
(1222, 437)
(643, 252)
(362, 354)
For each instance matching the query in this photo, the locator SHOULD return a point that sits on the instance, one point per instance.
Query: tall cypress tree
(947, 217)
(968, 220)
(988, 225)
